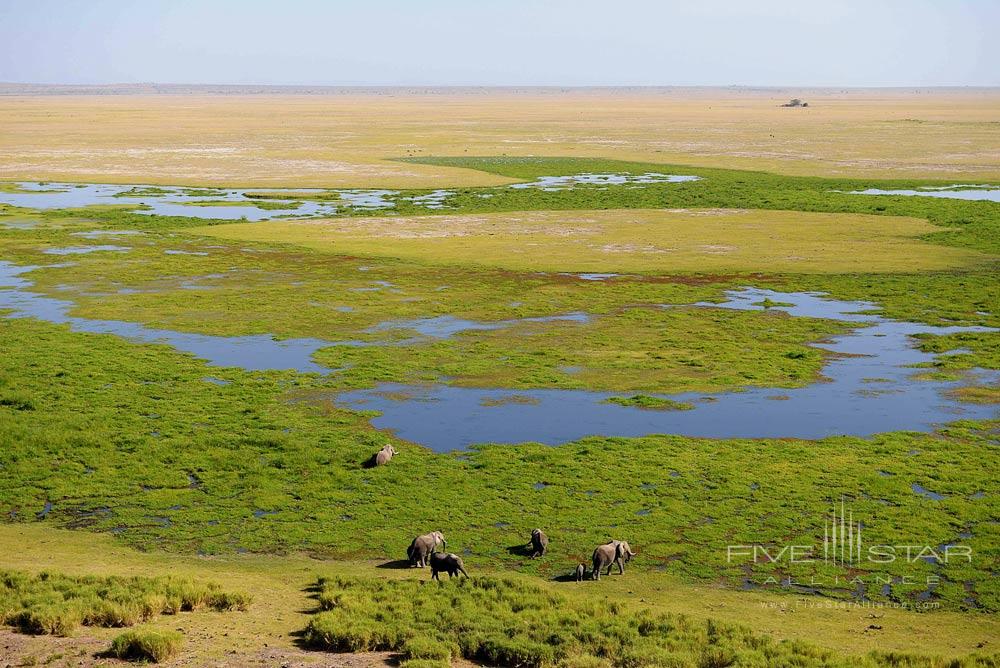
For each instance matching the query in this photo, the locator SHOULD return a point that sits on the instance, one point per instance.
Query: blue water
(254, 352)
(444, 326)
(923, 491)
(556, 183)
(83, 250)
(180, 201)
(847, 402)
(973, 193)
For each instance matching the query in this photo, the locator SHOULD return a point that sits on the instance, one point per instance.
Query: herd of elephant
(423, 552)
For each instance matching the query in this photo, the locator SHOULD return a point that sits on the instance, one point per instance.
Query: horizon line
(507, 86)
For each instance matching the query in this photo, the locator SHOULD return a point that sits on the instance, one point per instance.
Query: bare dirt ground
(88, 651)
(350, 138)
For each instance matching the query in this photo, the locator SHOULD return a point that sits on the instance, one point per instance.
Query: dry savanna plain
(670, 317)
(352, 138)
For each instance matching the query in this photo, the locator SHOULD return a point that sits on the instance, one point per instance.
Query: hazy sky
(497, 42)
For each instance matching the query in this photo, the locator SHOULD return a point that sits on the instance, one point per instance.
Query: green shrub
(223, 601)
(585, 661)
(716, 657)
(514, 652)
(47, 619)
(345, 633)
(147, 645)
(190, 595)
(50, 603)
(422, 647)
(505, 622)
(424, 663)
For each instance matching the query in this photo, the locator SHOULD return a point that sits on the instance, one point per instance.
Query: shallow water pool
(450, 418)
(972, 193)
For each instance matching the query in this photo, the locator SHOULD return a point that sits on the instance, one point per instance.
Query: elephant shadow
(395, 564)
(520, 550)
(568, 577)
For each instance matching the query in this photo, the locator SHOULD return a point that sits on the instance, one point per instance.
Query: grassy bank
(285, 599)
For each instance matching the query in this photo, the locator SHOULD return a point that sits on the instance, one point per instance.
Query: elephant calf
(539, 543)
(614, 552)
(383, 456)
(581, 572)
(450, 563)
(423, 547)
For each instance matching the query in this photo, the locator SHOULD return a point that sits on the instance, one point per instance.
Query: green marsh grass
(132, 439)
(51, 603)
(503, 622)
(647, 402)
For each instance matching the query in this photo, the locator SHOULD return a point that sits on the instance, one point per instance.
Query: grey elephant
(383, 456)
(539, 543)
(450, 563)
(423, 547)
(581, 572)
(613, 552)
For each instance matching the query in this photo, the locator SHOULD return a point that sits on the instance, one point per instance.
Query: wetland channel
(868, 383)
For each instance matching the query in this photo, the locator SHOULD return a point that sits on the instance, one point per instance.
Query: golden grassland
(350, 139)
(628, 240)
(282, 603)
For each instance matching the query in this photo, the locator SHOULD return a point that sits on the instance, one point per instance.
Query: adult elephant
(423, 546)
(539, 543)
(450, 563)
(613, 552)
(383, 456)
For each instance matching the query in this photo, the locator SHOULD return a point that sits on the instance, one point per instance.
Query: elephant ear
(621, 549)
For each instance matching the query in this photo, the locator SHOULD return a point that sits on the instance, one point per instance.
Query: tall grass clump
(505, 622)
(147, 645)
(51, 603)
